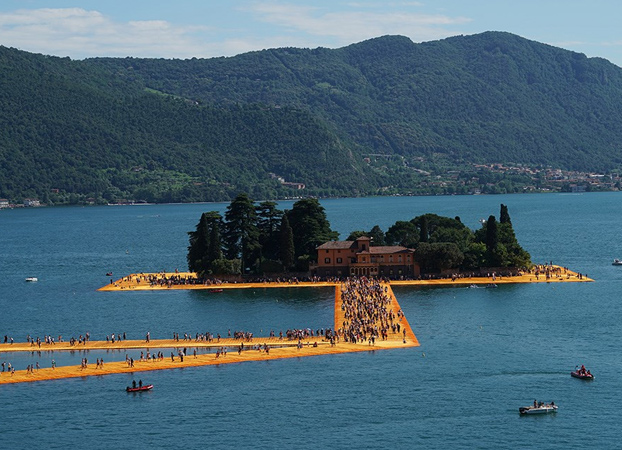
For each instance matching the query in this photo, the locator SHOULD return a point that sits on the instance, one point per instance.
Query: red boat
(146, 387)
(215, 291)
(582, 375)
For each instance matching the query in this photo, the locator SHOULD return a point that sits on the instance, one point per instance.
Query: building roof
(337, 245)
(379, 250)
(384, 249)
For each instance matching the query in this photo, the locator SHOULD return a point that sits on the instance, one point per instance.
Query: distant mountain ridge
(203, 129)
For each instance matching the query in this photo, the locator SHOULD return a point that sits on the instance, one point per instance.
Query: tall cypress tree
(492, 234)
(504, 216)
(205, 244)
(286, 244)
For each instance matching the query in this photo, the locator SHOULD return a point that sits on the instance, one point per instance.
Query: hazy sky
(207, 28)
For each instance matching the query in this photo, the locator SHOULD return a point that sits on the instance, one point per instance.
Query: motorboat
(617, 262)
(31, 279)
(582, 375)
(146, 387)
(542, 408)
(216, 291)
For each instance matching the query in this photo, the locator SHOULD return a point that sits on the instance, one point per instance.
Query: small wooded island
(262, 241)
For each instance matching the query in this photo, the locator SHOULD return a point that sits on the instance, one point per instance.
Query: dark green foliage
(492, 236)
(490, 97)
(403, 233)
(308, 219)
(241, 232)
(250, 230)
(287, 253)
(197, 250)
(424, 233)
(452, 245)
(438, 256)
(504, 215)
(109, 129)
(377, 236)
(354, 235)
(268, 223)
(205, 246)
(226, 267)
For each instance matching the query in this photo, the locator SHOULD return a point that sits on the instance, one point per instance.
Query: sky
(211, 28)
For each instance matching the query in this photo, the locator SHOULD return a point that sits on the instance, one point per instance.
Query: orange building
(358, 258)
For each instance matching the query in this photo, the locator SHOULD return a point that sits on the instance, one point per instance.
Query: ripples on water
(484, 352)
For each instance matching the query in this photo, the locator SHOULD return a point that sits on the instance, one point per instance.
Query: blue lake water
(484, 352)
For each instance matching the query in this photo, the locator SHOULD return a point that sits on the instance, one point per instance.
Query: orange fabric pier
(278, 349)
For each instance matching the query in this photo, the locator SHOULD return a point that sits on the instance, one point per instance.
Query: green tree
(377, 236)
(214, 245)
(241, 233)
(402, 233)
(205, 245)
(197, 250)
(309, 220)
(493, 253)
(438, 256)
(286, 244)
(423, 230)
(226, 267)
(504, 216)
(268, 223)
(492, 234)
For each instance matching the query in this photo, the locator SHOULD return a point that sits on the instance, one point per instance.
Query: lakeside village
(439, 176)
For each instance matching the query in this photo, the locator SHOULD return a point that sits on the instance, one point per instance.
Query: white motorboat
(617, 262)
(32, 279)
(541, 408)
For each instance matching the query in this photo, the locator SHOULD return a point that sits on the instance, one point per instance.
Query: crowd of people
(163, 279)
(367, 312)
(367, 317)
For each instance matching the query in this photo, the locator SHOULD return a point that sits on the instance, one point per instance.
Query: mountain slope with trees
(369, 118)
(490, 97)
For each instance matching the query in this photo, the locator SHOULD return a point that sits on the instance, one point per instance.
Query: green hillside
(492, 97)
(72, 132)
(381, 116)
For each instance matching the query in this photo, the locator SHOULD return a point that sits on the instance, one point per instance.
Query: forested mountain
(364, 119)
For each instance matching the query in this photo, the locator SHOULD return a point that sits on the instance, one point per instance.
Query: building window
(327, 260)
(339, 260)
(326, 251)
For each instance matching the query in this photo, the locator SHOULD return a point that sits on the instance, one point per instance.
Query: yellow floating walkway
(279, 349)
(141, 281)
